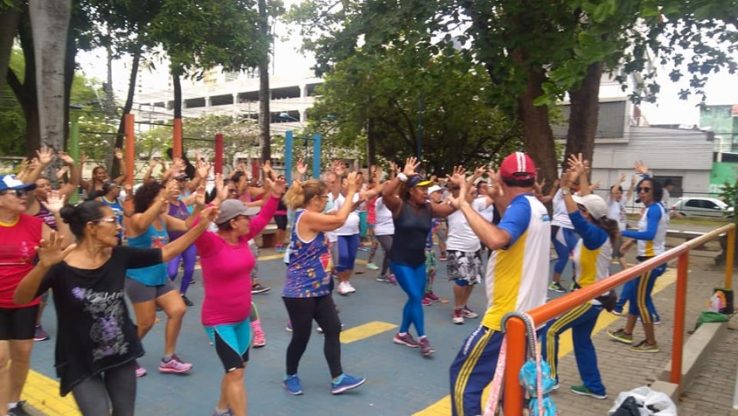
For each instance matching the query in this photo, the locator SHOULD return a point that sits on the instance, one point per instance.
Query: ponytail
(300, 193)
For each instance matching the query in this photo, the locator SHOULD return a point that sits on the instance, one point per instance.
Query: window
(693, 203)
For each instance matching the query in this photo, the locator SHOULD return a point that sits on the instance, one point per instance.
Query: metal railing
(515, 328)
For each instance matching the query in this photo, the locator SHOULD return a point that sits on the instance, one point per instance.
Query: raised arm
(74, 175)
(389, 192)
(140, 221)
(315, 221)
(178, 245)
(121, 167)
(579, 166)
(51, 251)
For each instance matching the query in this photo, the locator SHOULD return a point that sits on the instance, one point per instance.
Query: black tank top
(411, 230)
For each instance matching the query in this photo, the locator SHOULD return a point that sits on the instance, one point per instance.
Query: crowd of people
(492, 228)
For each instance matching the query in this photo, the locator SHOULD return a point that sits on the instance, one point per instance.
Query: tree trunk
(129, 98)
(537, 134)
(264, 93)
(9, 20)
(50, 25)
(583, 115)
(69, 63)
(177, 106)
(25, 92)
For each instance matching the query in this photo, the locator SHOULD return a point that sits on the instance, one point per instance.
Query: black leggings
(302, 311)
(114, 387)
(386, 242)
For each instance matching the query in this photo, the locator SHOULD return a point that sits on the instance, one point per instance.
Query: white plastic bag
(650, 402)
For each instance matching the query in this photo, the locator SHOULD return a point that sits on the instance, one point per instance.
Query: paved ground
(400, 381)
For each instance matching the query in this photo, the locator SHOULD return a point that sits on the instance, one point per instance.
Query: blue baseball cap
(10, 182)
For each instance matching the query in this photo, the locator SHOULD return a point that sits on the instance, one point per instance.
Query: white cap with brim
(434, 188)
(232, 208)
(10, 182)
(595, 205)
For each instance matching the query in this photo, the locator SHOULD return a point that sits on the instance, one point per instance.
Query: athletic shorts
(18, 323)
(464, 268)
(139, 292)
(281, 221)
(232, 343)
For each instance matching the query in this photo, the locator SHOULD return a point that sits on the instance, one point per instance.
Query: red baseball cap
(518, 165)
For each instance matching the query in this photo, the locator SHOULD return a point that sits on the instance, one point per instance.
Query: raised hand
(267, 169)
(276, 187)
(152, 163)
(209, 214)
(118, 153)
(640, 167)
(50, 251)
(411, 164)
(301, 167)
(45, 155)
(62, 171)
(577, 163)
(200, 196)
(353, 182)
(203, 169)
(64, 156)
(479, 172)
(222, 190)
(54, 201)
(83, 159)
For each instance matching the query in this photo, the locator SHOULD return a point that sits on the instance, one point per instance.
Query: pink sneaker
(432, 296)
(426, 300)
(392, 279)
(174, 366)
(406, 340)
(140, 371)
(259, 336)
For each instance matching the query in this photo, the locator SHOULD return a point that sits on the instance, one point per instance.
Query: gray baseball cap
(232, 208)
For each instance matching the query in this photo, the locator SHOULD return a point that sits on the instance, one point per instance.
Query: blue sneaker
(292, 384)
(345, 383)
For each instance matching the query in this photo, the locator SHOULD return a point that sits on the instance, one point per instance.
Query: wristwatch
(564, 191)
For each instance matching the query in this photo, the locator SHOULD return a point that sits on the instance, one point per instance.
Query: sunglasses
(109, 220)
(18, 192)
(644, 189)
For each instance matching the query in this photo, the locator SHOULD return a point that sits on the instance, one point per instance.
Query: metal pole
(680, 300)
(729, 258)
(219, 153)
(316, 155)
(288, 157)
(73, 150)
(516, 340)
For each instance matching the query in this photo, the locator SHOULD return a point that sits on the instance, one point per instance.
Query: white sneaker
(342, 289)
(349, 288)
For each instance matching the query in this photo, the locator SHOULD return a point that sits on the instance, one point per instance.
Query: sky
(722, 88)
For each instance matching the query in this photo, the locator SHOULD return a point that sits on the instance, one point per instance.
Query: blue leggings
(564, 241)
(581, 320)
(412, 281)
(641, 296)
(188, 257)
(629, 290)
(347, 247)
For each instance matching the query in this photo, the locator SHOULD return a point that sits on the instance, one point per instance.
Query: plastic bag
(707, 317)
(650, 402)
(528, 378)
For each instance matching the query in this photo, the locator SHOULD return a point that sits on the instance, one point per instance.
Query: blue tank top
(155, 275)
(411, 229)
(306, 269)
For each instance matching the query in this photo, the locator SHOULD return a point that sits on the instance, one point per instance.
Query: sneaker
(187, 301)
(174, 366)
(292, 385)
(226, 412)
(458, 316)
(406, 340)
(20, 409)
(643, 346)
(259, 336)
(468, 313)
(656, 320)
(584, 391)
(432, 296)
(288, 328)
(556, 287)
(426, 300)
(621, 336)
(425, 347)
(341, 289)
(258, 288)
(39, 334)
(372, 266)
(350, 288)
(555, 386)
(346, 383)
(383, 279)
(140, 371)
(391, 278)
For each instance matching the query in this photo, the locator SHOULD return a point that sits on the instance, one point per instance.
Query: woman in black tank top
(412, 213)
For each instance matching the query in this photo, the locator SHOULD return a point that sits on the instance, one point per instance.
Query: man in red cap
(517, 273)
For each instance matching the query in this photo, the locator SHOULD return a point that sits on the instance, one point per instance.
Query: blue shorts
(232, 342)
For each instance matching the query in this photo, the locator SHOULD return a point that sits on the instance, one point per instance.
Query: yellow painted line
(364, 331)
(443, 406)
(42, 393)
